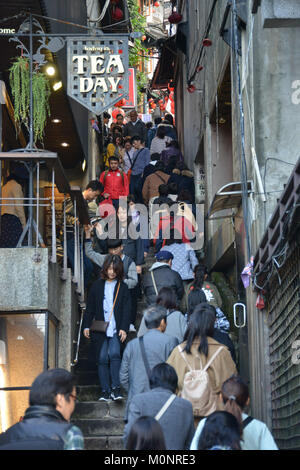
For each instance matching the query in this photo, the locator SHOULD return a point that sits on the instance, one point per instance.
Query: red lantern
(117, 111)
(175, 18)
(199, 68)
(191, 88)
(117, 14)
(152, 105)
(144, 37)
(171, 86)
(207, 42)
(156, 4)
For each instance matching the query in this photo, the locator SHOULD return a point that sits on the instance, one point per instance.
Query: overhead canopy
(164, 71)
(228, 197)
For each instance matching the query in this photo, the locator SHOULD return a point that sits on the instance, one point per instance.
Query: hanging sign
(131, 102)
(98, 71)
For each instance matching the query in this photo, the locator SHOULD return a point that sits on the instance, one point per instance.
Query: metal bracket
(235, 315)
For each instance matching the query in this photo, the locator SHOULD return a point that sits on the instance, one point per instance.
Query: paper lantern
(117, 14)
(207, 42)
(117, 111)
(175, 18)
(191, 88)
(156, 4)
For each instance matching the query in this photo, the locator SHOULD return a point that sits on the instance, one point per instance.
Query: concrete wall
(26, 285)
(269, 69)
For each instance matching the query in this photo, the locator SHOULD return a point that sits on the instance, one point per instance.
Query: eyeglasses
(74, 397)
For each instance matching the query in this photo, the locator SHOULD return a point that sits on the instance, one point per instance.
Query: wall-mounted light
(83, 166)
(50, 70)
(56, 121)
(65, 144)
(57, 86)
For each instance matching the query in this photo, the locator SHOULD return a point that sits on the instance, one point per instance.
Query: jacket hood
(158, 264)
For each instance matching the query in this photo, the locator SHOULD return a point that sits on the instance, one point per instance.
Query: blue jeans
(87, 263)
(136, 187)
(109, 363)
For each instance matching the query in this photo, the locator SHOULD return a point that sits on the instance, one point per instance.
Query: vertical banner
(131, 102)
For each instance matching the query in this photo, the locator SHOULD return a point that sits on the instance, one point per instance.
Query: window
(28, 346)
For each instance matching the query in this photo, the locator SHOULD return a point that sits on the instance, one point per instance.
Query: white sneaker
(132, 327)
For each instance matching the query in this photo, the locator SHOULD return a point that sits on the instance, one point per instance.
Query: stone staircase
(100, 422)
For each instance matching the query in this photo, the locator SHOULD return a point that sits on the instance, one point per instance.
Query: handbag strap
(112, 310)
(136, 158)
(247, 421)
(142, 346)
(154, 283)
(165, 407)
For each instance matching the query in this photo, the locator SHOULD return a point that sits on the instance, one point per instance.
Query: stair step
(86, 377)
(100, 427)
(99, 409)
(103, 443)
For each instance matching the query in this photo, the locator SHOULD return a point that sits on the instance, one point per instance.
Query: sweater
(12, 189)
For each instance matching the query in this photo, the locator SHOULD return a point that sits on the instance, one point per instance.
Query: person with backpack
(115, 182)
(142, 354)
(234, 398)
(202, 363)
(174, 414)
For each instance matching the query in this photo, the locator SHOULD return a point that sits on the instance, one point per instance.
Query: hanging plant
(41, 108)
(19, 78)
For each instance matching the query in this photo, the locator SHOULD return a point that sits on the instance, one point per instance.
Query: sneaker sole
(104, 399)
(117, 398)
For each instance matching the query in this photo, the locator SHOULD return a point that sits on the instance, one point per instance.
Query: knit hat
(164, 255)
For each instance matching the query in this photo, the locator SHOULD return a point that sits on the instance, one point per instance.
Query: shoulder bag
(100, 326)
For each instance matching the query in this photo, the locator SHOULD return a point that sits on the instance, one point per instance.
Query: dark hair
(155, 156)
(221, 429)
(153, 316)
(185, 195)
(95, 185)
(196, 296)
(163, 375)
(117, 263)
(235, 394)
(130, 198)
(159, 166)
(116, 136)
(113, 158)
(149, 125)
(163, 189)
(173, 143)
(181, 166)
(161, 132)
(13, 176)
(173, 188)
(146, 434)
(201, 325)
(136, 137)
(114, 243)
(119, 115)
(169, 119)
(167, 298)
(175, 237)
(157, 121)
(117, 129)
(48, 384)
(106, 115)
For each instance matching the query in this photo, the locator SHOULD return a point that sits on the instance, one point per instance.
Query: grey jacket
(133, 375)
(176, 325)
(164, 276)
(177, 422)
(131, 277)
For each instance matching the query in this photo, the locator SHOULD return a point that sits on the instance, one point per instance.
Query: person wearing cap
(161, 275)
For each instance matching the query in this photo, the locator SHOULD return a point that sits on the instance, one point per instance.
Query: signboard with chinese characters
(131, 101)
(98, 71)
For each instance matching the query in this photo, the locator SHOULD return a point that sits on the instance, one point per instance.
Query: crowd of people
(179, 373)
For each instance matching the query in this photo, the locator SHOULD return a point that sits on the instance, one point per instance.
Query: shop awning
(228, 197)
(164, 71)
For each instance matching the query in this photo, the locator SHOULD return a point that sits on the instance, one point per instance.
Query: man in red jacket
(115, 182)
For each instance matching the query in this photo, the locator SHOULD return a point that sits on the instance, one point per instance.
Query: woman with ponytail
(234, 398)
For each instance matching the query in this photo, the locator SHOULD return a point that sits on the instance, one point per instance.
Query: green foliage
(19, 78)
